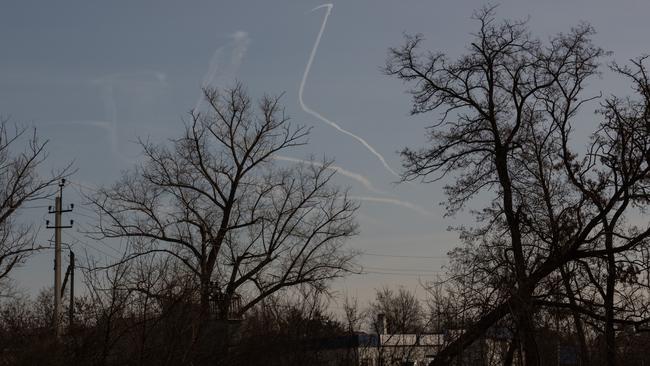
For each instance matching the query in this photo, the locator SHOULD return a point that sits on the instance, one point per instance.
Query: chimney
(382, 324)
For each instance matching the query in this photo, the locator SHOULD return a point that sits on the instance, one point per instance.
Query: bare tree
(617, 167)
(290, 329)
(353, 316)
(489, 100)
(507, 108)
(401, 308)
(214, 201)
(401, 313)
(20, 184)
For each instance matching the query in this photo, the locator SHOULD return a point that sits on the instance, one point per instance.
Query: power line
(85, 227)
(404, 256)
(82, 185)
(50, 241)
(401, 269)
(400, 274)
(91, 245)
(84, 215)
(411, 272)
(103, 242)
(88, 243)
(88, 209)
(24, 207)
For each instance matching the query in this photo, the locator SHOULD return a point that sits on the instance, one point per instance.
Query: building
(388, 349)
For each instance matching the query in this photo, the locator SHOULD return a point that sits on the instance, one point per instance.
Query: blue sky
(92, 76)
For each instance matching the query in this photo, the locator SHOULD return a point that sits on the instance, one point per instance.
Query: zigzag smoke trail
(318, 115)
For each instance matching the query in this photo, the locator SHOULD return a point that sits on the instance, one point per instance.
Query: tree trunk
(204, 305)
(584, 350)
(198, 320)
(523, 312)
(610, 335)
(526, 327)
(509, 357)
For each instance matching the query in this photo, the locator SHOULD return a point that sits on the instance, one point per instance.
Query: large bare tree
(213, 200)
(507, 108)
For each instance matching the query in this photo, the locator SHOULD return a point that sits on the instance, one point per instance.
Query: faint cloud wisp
(239, 42)
(394, 201)
(136, 80)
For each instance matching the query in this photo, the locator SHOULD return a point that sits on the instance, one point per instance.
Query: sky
(94, 76)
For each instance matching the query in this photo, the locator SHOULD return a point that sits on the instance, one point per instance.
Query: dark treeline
(230, 255)
(129, 330)
(216, 234)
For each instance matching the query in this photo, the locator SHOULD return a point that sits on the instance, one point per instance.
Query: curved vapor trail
(393, 201)
(318, 115)
(356, 176)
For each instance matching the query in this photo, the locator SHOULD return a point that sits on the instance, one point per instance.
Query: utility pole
(71, 310)
(58, 210)
(70, 273)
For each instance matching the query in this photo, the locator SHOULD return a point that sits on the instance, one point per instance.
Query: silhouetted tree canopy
(506, 110)
(214, 200)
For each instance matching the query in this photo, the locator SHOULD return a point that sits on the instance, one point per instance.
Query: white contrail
(361, 179)
(318, 115)
(239, 41)
(393, 201)
(356, 176)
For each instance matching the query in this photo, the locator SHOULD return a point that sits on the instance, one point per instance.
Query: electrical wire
(84, 215)
(404, 256)
(104, 243)
(419, 270)
(77, 240)
(82, 185)
(399, 274)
